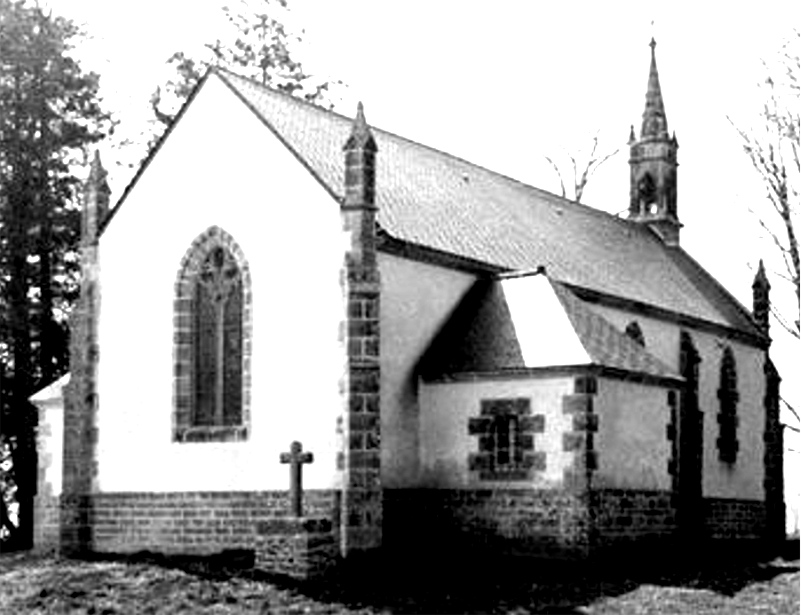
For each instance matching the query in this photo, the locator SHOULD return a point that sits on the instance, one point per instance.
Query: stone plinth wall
(726, 519)
(622, 517)
(540, 523)
(302, 548)
(46, 520)
(193, 523)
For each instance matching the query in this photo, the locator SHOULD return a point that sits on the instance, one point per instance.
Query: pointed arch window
(690, 444)
(212, 341)
(728, 446)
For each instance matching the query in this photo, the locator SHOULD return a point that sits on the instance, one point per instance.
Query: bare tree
(254, 43)
(581, 169)
(772, 145)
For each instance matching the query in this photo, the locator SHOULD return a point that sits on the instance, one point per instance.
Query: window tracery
(212, 341)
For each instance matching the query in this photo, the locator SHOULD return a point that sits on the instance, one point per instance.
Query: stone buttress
(360, 458)
(81, 403)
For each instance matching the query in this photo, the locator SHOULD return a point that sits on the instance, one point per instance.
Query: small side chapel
(304, 337)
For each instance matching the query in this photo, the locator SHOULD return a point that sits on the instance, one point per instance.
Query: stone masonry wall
(301, 548)
(544, 523)
(622, 516)
(727, 519)
(195, 523)
(46, 523)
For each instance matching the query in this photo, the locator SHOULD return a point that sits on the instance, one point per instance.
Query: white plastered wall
(742, 480)
(221, 166)
(416, 300)
(445, 444)
(633, 450)
(49, 450)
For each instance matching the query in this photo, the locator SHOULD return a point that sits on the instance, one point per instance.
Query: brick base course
(726, 519)
(46, 523)
(193, 523)
(543, 523)
(553, 523)
(540, 523)
(632, 514)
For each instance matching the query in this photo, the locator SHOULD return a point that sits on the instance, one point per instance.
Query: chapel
(304, 337)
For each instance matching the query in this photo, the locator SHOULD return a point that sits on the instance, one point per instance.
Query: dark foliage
(49, 115)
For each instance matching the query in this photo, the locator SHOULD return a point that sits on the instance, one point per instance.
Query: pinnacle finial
(360, 133)
(761, 278)
(96, 170)
(97, 174)
(360, 119)
(761, 299)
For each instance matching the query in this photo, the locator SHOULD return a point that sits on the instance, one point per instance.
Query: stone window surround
(522, 460)
(727, 443)
(183, 430)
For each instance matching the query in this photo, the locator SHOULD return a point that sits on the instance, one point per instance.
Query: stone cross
(296, 458)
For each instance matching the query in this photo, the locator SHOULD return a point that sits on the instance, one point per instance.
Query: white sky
(502, 86)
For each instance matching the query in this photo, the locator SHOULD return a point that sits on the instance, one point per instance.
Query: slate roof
(605, 343)
(483, 336)
(429, 198)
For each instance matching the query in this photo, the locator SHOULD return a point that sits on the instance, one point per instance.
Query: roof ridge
(377, 130)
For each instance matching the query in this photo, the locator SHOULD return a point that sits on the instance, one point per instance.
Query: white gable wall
(742, 480)
(221, 166)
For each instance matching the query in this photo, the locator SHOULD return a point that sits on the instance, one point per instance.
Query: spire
(654, 120)
(654, 166)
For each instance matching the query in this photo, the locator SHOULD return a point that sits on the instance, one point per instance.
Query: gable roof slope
(432, 199)
(517, 323)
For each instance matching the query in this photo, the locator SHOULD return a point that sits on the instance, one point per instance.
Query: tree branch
(792, 329)
(789, 406)
(558, 174)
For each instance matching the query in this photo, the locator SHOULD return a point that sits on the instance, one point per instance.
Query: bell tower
(654, 165)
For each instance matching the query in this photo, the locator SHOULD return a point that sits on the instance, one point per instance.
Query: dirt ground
(31, 585)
